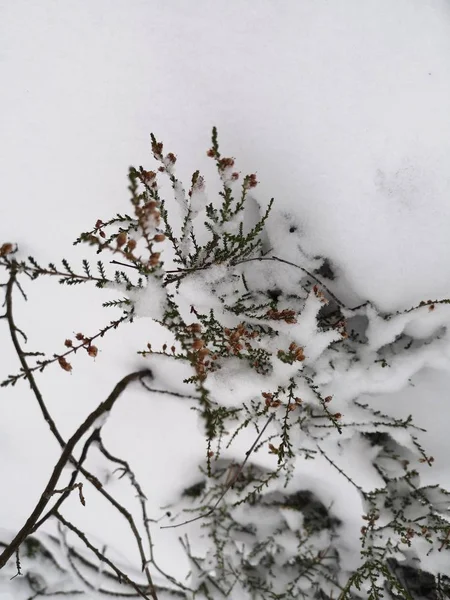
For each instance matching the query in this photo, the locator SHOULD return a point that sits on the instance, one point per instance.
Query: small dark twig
(117, 262)
(232, 480)
(287, 262)
(70, 488)
(18, 565)
(126, 470)
(176, 394)
(79, 467)
(122, 576)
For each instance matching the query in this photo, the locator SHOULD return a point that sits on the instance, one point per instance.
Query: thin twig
(125, 467)
(102, 557)
(287, 262)
(101, 409)
(117, 262)
(93, 437)
(18, 565)
(176, 394)
(231, 481)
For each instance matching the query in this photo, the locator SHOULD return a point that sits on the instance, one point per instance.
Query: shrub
(290, 365)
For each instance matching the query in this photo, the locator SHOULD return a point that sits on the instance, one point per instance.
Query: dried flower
(250, 181)
(64, 364)
(92, 351)
(157, 148)
(225, 163)
(154, 259)
(121, 239)
(6, 248)
(148, 175)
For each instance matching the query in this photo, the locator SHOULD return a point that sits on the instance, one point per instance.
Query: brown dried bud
(225, 163)
(148, 175)
(337, 415)
(157, 148)
(202, 353)
(92, 351)
(171, 158)
(131, 245)
(154, 259)
(197, 344)
(250, 181)
(6, 249)
(159, 237)
(102, 234)
(299, 354)
(211, 153)
(98, 224)
(64, 364)
(150, 206)
(79, 336)
(328, 399)
(68, 343)
(121, 239)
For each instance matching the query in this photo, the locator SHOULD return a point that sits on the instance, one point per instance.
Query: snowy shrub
(327, 501)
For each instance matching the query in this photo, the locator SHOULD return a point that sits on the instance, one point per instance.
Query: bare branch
(122, 576)
(231, 480)
(101, 409)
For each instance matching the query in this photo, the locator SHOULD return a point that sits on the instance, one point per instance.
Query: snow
(341, 110)
(151, 302)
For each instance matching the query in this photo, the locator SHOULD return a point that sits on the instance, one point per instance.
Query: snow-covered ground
(340, 107)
